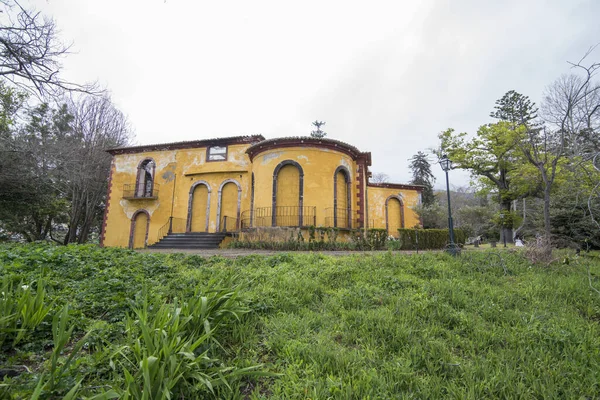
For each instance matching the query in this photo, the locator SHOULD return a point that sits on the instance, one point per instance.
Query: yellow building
(202, 190)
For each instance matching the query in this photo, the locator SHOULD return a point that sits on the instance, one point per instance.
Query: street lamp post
(446, 165)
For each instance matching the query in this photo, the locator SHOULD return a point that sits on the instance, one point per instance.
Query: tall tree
(32, 199)
(570, 110)
(97, 125)
(421, 171)
(54, 168)
(493, 159)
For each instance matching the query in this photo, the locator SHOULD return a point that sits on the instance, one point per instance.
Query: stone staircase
(190, 241)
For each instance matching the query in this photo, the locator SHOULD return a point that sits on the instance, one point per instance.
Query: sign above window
(217, 153)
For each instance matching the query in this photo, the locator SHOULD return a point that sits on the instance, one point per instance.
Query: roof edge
(386, 185)
(305, 141)
(248, 139)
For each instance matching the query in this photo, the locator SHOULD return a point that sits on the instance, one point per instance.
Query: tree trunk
(506, 232)
(547, 211)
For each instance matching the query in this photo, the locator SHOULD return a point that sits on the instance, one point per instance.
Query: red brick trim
(188, 145)
(360, 193)
(107, 202)
(418, 188)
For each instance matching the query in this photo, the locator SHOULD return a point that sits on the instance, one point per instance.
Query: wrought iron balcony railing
(292, 216)
(148, 191)
(340, 218)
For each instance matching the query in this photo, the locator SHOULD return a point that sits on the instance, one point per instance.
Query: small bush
(425, 239)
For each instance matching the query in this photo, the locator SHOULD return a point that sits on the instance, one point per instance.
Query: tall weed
(22, 308)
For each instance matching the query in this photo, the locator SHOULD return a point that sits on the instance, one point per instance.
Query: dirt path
(234, 253)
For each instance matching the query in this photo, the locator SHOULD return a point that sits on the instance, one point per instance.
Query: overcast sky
(386, 76)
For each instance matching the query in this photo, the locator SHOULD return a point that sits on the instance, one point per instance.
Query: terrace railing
(279, 216)
(340, 218)
(131, 192)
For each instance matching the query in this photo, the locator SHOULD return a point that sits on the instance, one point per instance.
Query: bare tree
(570, 111)
(379, 177)
(97, 125)
(31, 52)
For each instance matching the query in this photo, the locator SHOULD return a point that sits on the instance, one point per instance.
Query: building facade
(239, 183)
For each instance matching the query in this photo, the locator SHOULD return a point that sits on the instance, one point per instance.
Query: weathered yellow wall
(319, 167)
(189, 165)
(377, 197)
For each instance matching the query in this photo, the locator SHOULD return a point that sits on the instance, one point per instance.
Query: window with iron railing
(131, 191)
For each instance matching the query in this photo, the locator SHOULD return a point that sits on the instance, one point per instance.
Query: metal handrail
(229, 224)
(173, 225)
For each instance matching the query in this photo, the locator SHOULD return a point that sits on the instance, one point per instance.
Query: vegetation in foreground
(115, 323)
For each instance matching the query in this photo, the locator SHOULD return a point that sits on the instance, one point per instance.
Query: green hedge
(428, 238)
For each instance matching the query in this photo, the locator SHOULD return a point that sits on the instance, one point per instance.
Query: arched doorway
(230, 197)
(341, 198)
(145, 178)
(138, 237)
(394, 215)
(288, 182)
(199, 207)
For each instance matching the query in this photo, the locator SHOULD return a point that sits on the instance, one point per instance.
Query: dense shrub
(411, 239)
(318, 239)
(381, 326)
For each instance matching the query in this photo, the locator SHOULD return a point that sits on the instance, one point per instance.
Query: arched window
(198, 207)
(342, 206)
(394, 214)
(288, 194)
(252, 202)
(229, 203)
(145, 178)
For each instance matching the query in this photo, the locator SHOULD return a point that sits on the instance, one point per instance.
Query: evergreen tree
(421, 170)
(318, 133)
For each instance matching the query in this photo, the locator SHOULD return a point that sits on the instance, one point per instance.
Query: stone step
(184, 246)
(190, 240)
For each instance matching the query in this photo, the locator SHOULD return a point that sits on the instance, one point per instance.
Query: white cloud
(387, 76)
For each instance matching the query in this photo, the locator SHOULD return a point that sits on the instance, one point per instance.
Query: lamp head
(445, 163)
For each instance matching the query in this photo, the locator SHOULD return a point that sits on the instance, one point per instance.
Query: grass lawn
(299, 326)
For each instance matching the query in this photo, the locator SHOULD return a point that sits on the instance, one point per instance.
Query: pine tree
(421, 170)
(318, 133)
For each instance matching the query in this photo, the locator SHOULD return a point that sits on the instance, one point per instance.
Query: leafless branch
(31, 53)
